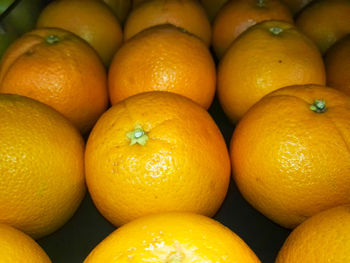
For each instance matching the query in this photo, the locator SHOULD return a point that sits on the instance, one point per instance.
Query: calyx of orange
(260, 3)
(52, 39)
(276, 30)
(319, 106)
(138, 135)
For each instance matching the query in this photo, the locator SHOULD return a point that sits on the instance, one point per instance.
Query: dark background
(74, 241)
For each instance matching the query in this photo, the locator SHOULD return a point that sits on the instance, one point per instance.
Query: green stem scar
(319, 106)
(138, 136)
(52, 39)
(260, 3)
(275, 30)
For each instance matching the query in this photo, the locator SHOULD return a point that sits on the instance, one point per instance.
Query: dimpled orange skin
(237, 16)
(183, 166)
(66, 74)
(187, 14)
(163, 58)
(91, 20)
(322, 238)
(173, 237)
(337, 62)
(19, 247)
(325, 22)
(41, 169)
(290, 162)
(259, 62)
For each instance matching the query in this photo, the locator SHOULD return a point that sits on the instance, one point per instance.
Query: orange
(89, 19)
(19, 247)
(322, 238)
(41, 169)
(212, 7)
(186, 14)
(296, 6)
(173, 237)
(120, 7)
(268, 56)
(137, 2)
(59, 69)
(155, 152)
(163, 58)
(337, 62)
(238, 15)
(290, 154)
(325, 22)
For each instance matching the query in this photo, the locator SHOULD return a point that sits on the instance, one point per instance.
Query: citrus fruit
(155, 152)
(91, 20)
(120, 7)
(59, 69)
(186, 14)
(163, 58)
(323, 238)
(173, 237)
(338, 65)
(290, 154)
(212, 7)
(137, 2)
(41, 169)
(296, 6)
(238, 15)
(268, 56)
(325, 22)
(19, 247)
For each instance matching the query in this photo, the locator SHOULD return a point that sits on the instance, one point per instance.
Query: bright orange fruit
(173, 237)
(41, 168)
(186, 14)
(323, 238)
(155, 152)
(290, 153)
(163, 58)
(59, 69)
(266, 57)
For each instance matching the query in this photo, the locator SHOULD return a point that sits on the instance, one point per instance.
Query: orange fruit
(296, 6)
(121, 8)
(89, 19)
(290, 154)
(268, 56)
(212, 7)
(337, 62)
(163, 58)
(325, 22)
(323, 238)
(42, 173)
(156, 152)
(19, 247)
(173, 237)
(186, 14)
(59, 69)
(238, 15)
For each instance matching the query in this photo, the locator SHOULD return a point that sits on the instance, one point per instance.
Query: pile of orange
(113, 99)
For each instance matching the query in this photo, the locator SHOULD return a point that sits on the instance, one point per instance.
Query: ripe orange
(163, 58)
(90, 19)
(186, 14)
(268, 56)
(238, 15)
(296, 6)
(290, 154)
(325, 22)
(59, 69)
(120, 7)
(19, 247)
(136, 2)
(155, 152)
(173, 237)
(212, 7)
(337, 62)
(42, 173)
(323, 238)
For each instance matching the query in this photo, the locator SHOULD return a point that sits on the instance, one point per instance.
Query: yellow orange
(154, 152)
(120, 7)
(163, 58)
